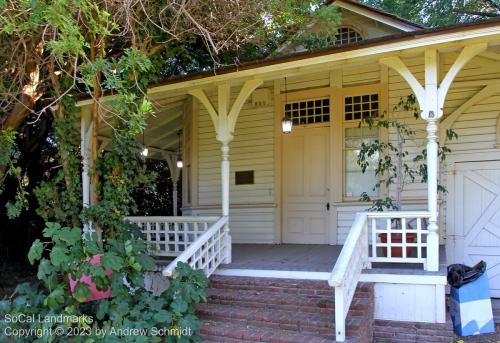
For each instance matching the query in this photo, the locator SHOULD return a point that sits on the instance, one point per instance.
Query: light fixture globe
(286, 125)
(145, 152)
(180, 164)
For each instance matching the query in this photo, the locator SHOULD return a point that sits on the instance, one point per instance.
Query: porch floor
(298, 257)
(303, 257)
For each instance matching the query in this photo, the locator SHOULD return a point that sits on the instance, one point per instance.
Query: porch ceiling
(160, 136)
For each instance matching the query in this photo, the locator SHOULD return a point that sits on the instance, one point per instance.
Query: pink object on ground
(87, 279)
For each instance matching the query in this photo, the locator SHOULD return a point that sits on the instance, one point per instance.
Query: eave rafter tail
(225, 117)
(433, 95)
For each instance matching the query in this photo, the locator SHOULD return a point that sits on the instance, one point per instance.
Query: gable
(376, 15)
(360, 22)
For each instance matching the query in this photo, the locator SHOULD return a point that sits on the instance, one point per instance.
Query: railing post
(339, 314)
(432, 171)
(225, 200)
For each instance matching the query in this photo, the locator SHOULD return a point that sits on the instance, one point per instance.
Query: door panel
(474, 233)
(305, 186)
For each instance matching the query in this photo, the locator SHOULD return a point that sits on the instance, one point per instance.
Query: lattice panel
(170, 237)
(210, 254)
(398, 238)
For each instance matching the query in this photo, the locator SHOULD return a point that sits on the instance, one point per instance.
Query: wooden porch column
(224, 120)
(431, 99)
(174, 174)
(85, 150)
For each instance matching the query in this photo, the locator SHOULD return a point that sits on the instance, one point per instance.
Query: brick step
(407, 332)
(295, 303)
(257, 299)
(275, 285)
(245, 309)
(224, 332)
(313, 322)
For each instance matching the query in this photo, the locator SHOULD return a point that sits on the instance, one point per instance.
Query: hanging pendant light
(180, 164)
(286, 122)
(144, 151)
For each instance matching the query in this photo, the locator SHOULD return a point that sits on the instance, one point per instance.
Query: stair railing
(171, 236)
(347, 271)
(207, 252)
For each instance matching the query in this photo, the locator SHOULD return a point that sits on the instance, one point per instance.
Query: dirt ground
(13, 274)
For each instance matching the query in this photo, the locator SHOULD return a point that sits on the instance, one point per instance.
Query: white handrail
(347, 271)
(178, 219)
(337, 277)
(206, 252)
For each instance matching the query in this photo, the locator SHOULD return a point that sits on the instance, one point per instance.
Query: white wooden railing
(207, 252)
(171, 236)
(399, 237)
(396, 237)
(345, 275)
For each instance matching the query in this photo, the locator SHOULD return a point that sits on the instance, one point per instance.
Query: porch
(302, 258)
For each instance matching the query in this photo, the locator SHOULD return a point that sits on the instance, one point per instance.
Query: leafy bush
(130, 306)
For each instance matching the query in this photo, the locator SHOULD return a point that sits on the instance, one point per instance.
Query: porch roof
(273, 68)
(169, 96)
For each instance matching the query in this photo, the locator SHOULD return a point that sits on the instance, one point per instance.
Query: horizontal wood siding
(251, 149)
(247, 225)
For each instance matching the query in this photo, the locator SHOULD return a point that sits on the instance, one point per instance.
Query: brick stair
(244, 309)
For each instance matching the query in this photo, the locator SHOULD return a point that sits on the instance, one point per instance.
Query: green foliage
(130, 305)
(9, 156)
(322, 33)
(441, 12)
(59, 197)
(391, 159)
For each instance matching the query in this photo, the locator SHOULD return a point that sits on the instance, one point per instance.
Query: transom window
(361, 107)
(346, 35)
(308, 111)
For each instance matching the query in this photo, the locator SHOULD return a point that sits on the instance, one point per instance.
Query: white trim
(303, 275)
(407, 278)
(377, 16)
(279, 274)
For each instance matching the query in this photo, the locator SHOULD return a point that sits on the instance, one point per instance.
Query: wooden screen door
(306, 156)
(473, 233)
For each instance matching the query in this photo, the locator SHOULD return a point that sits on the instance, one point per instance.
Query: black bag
(460, 274)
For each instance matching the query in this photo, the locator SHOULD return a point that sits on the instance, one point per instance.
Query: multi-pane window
(361, 107)
(357, 108)
(357, 182)
(308, 111)
(346, 35)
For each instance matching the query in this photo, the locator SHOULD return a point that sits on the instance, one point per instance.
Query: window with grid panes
(361, 107)
(357, 107)
(308, 111)
(346, 35)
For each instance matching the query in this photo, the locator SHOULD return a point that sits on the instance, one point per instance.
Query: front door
(473, 234)
(306, 153)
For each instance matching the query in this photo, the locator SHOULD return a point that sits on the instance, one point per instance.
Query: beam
(164, 134)
(452, 117)
(399, 66)
(106, 141)
(490, 55)
(247, 89)
(202, 97)
(170, 115)
(463, 58)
